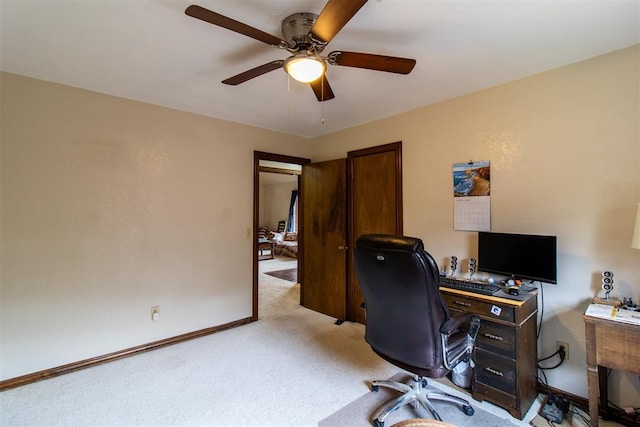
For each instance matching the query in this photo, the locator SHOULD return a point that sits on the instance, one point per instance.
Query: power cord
(574, 410)
(541, 309)
(560, 352)
(633, 413)
(545, 382)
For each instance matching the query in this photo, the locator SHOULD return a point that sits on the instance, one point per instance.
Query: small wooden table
(262, 245)
(610, 344)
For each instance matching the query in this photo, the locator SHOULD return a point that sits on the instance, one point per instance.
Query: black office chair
(407, 321)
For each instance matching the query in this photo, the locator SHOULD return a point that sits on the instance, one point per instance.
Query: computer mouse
(513, 291)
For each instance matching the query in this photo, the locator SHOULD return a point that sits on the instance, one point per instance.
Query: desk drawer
(496, 371)
(496, 338)
(486, 309)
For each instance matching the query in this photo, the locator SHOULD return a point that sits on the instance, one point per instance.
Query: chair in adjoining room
(407, 321)
(281, 226)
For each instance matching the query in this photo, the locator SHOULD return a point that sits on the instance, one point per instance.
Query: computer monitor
(521, 256)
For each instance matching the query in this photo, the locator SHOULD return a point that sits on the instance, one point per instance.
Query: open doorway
(276, 224)
(278, 288)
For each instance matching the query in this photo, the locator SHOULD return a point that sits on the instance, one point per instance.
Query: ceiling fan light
(304, 68)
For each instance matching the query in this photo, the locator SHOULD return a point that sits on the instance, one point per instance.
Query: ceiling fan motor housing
(295, 29)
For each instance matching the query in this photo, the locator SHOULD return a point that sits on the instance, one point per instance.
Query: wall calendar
(472, 196)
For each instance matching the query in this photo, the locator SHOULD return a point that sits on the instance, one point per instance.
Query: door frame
(257, 156)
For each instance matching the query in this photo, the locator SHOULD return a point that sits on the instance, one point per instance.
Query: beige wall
(277, 199)
(111, 206)
(564, 148)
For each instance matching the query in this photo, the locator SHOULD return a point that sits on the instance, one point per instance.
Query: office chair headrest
(390, 242)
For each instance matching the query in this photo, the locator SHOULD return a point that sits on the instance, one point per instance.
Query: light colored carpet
(361, 411)
(293, 367)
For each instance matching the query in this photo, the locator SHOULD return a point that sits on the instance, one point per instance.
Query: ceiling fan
(305, 37)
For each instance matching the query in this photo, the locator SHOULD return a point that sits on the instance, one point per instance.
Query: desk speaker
(472, 266)
(607, 283)
(453, 264)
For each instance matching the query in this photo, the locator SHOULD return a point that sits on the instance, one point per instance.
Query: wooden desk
(613, 345)
(506, 349)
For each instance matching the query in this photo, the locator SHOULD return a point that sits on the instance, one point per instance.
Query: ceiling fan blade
(254, 72)
(370, 61)
(334, 16)
(233, 25)
(322, 89)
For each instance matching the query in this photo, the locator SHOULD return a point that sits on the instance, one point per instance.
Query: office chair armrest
(454, 323)
(460, 349)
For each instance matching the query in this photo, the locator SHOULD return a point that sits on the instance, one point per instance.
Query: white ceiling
(149, 50)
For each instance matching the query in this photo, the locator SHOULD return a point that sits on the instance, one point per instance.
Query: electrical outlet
(155, 312)
(566, 348)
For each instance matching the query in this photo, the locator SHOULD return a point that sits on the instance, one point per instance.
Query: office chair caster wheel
(377, 423)
(374, 388)
(468, 410)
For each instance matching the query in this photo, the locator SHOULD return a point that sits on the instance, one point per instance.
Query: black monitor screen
(523, 256)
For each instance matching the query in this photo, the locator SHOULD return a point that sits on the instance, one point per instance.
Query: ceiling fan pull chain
(322, 103)
(288, 99)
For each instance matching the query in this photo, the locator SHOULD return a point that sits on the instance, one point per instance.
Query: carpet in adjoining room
(290, 274)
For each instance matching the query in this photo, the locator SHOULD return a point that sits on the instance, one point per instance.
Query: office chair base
(418, 392)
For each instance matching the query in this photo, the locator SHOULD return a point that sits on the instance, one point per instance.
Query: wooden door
(375, 206)
(324, 218)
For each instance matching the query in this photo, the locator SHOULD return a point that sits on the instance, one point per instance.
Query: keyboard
(466, 285)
